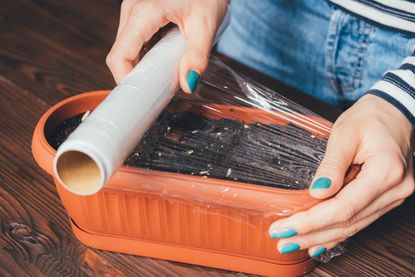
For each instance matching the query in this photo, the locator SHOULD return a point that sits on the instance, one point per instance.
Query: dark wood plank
(52, 55)
(53, 49)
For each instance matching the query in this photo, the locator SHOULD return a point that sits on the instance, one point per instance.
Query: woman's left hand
(372, 133)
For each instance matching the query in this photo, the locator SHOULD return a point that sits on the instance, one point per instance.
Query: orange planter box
(175, 216)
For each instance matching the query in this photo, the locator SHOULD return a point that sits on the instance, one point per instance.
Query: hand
(198, 21)
(372, 133)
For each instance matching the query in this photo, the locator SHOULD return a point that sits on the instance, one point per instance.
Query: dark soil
(63, 130)
(189, 143)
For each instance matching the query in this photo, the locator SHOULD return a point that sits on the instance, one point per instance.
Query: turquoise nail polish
(321, 183)
(318, 252)
(289, 247)
(286, 233)
(192, 80)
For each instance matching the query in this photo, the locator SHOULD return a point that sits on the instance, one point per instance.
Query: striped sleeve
(394, 13)
(398, 88)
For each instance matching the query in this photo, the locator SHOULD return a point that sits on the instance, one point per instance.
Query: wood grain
(53, 49)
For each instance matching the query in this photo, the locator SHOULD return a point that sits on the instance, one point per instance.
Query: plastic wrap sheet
(234, 129)
(231, 129)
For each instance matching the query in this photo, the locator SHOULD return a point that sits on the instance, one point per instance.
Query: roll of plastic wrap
(92, 153)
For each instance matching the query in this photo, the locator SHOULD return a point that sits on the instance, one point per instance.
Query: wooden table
(50, 50)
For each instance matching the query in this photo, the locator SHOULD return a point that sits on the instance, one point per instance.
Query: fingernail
(318, 252)
(321, 183)
(192, 80)
(282, 234)
(289, 247)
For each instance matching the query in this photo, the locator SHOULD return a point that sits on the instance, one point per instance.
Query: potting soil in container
(189, 142)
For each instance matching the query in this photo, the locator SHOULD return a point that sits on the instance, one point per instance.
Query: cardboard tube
(91, 154)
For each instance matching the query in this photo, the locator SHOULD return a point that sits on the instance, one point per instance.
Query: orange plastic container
(143, 212)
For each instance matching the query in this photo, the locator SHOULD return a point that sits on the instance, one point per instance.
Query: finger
(396, 194)
(199, 34)
(320, 249)
(144, 20)
(360, 192)
(126, 6)
(340, 151)
(324, 237)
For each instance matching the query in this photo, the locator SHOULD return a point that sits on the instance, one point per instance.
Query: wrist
(389, 113)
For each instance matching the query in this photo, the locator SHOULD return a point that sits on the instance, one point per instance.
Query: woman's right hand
(198, 21)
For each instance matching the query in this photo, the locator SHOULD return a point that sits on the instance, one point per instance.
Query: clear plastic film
(233, 144)
(237, 130)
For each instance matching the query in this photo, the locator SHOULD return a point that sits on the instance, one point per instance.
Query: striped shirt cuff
(398, 88)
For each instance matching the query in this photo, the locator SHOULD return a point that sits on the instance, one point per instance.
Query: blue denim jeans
(313, 46)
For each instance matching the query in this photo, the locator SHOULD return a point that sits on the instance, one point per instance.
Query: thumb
(195, 60)
(330, 175)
